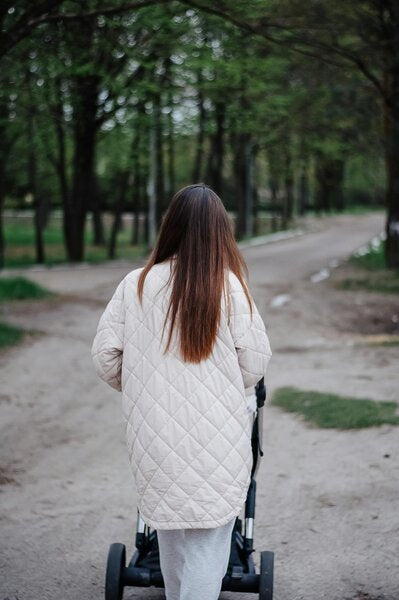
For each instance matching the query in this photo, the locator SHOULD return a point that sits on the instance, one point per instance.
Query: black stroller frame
(144, 569)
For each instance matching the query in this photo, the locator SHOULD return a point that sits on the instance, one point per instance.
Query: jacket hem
(201, 524)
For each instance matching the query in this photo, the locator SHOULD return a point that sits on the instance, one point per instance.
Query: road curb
(271, 237)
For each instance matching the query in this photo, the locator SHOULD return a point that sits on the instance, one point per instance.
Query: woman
(184, 342)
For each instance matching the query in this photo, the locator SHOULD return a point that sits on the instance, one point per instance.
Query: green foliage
(300, 110)
(333, 411)
(9, 335)
(20, 288)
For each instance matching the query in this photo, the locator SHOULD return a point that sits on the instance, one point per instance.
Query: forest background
(107, 108)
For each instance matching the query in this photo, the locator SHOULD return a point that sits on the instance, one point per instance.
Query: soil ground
(326, 499)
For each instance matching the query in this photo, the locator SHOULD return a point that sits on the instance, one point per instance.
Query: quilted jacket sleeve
(107, 347)
(250, 338)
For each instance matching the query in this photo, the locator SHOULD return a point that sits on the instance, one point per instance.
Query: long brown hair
(196, 231)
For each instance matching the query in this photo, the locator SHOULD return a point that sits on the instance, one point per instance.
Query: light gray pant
(194, 561)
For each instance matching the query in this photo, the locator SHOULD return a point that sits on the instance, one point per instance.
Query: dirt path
(327, 500)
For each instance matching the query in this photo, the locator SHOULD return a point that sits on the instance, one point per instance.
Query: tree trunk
(322, 186)
(152, 209)
(392, 166)
(60, 162)
(249, 152)
(137, 196)
(199, 153)
(139, 148)
(274, 185)
(336, 186)
(98, 225)
(119, 206)
(242, 147)
(288, 202)
(7, 141)
(157, 149)
(329, 177)
(2, 240)
(85, 130)
(171, 153)
(216, 154)
(303, 188)
(39, 218)
(41, 208)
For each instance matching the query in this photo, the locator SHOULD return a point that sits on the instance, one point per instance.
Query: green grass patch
(375, 277)
(353, 209)
(373, 259)
(333, 411)
(386, 283)
(20, 244)
(10, 335)
(359, 209)
(20, 288)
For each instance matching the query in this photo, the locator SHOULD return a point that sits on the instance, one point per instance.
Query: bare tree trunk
(216, 153)
(57, 111)
(41, 206)
(199, 154)
(392, 162)
(337, 180)
(288, 202)
(2, 194)
(157, 149)
(249, 152)
(98, 225)
(152, 213)
(7, 141)
(303, 187)
(274, 188)
(322, 195)
(242, 147)
(85, 130)
(171, 154)
(118, 212)
(39, 218)
(329, 177)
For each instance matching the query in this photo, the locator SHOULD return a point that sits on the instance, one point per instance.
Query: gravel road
(327, 499)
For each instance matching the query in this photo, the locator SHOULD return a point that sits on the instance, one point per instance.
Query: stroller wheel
(266, 575)
(114, 574)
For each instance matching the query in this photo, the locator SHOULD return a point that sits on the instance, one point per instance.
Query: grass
(20, 244)
(333, 411)
(352, 209)
(384, 283)
(377, 277)
(20, 288)
(13, 289)
(359, 209)
(10, 335)
(373, 259)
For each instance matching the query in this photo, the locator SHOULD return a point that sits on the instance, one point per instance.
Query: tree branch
(295, 42)
(43, 13)
(106, 11)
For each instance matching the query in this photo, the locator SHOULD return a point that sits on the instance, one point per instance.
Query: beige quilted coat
(188, 432)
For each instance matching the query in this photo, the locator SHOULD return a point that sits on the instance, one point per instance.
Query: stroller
(144, 569)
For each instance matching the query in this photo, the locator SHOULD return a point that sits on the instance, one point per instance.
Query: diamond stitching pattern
(187, 431)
